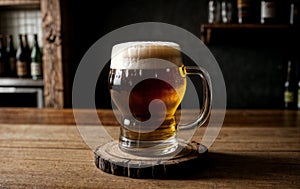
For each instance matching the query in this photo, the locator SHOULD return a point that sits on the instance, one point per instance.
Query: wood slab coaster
(192, 158)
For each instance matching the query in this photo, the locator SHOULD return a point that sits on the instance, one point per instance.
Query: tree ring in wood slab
(110, 159)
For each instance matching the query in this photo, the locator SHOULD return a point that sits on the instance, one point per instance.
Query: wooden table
(42, 148)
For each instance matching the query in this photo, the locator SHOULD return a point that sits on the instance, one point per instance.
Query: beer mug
(147, 83)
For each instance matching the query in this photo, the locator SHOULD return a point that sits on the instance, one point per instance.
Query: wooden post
(52, 59)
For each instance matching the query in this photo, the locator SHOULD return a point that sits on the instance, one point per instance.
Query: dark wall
(254, 74)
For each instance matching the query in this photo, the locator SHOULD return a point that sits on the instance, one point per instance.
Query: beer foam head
(136, 55)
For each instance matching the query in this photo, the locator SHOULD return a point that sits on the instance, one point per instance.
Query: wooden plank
(259, 118)
(77, 169)
(233, 118)
(52, 59)
(265, 139)
(55, 117)
(42, 156)
(36, 116)
(25, 136)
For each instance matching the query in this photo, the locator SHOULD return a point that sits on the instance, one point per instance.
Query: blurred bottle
(11, 52)
(22, 67)
(36, 60)
(28, 53)
(294, 12)
(268, 12)
(290, 86)
(3, 57)
(246, 11)
(214, 11)
(226, 11)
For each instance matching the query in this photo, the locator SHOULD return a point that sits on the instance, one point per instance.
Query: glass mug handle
(207, 92)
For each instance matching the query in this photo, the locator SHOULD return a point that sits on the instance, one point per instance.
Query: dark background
(254, 70)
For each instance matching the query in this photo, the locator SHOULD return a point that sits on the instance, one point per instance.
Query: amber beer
(136, 82)
(143, 94)
(147, 83)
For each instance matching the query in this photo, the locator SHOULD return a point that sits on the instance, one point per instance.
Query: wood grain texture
(54, 156)
(233, 118)
(42, 148)
(110, 159)
(52, 58)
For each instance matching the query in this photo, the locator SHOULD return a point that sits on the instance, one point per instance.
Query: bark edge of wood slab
(110, 159)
